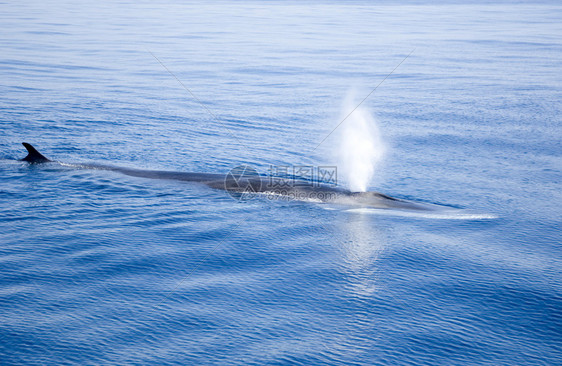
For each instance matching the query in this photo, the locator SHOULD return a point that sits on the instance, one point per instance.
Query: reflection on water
(362, 243)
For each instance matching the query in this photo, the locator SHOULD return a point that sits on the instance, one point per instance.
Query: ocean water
(102, 268)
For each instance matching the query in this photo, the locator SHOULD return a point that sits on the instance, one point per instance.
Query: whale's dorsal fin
(34, 156)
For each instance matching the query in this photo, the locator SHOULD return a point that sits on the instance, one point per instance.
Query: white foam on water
(447, 214)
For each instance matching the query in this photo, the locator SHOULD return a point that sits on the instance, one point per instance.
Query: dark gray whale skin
(300, 190)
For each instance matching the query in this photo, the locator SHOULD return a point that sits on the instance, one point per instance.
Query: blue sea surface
(97, 267)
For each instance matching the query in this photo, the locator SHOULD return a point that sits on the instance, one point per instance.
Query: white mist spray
(361, 147)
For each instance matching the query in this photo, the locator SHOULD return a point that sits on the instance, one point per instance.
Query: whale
(244, 182)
